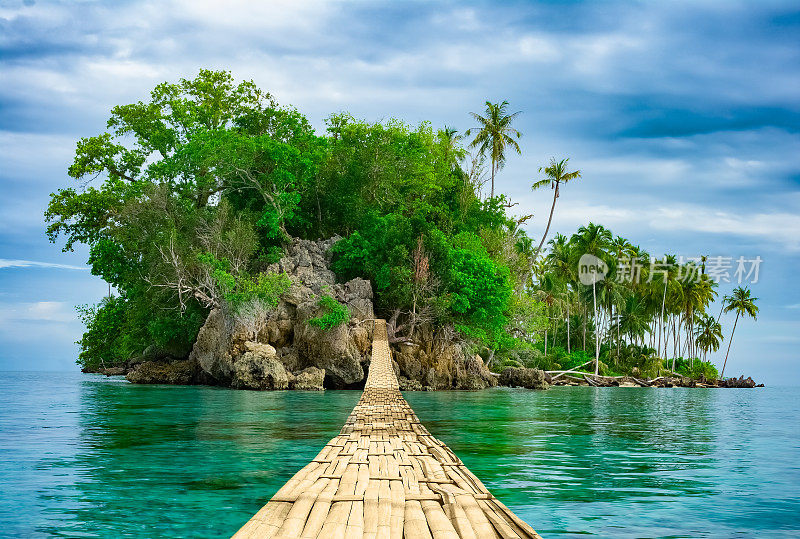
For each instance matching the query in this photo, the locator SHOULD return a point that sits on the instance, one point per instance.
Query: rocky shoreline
(289, 353)
(663, 381)
(286, 352)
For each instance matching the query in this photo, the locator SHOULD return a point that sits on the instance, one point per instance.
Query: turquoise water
(86, 456)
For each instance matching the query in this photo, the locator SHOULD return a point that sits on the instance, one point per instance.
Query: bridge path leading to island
(384, 476)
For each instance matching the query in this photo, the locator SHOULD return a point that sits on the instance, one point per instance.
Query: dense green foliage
(189, 196)
(239, 289)
(102, 343)
(643, 318)
(332, 313)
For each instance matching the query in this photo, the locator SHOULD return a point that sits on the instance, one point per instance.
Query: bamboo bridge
(384, 476)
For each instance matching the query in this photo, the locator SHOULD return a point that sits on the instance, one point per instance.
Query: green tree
(561, 261)
(708, 334)
(744, 305)
(101, 344)
(494, 135)
(204, 165)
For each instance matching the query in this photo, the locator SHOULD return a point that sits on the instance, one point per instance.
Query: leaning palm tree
(555, 174)
(494, 134)
(744, 305)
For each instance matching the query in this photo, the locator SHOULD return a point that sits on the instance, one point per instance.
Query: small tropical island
(248, 251)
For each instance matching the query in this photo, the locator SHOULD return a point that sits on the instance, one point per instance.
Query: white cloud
(778, 227)
(637, 221)
(7, 263)
(39, 311)
(285, 16)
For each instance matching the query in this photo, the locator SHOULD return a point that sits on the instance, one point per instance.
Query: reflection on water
(82, 455)
(626, 462)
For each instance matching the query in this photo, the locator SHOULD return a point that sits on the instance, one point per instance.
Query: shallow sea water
(90, 456)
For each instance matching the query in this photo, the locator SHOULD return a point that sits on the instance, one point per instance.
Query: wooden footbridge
(384, 476)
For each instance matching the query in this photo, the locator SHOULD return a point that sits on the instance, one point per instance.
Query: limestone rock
(290, 359)
(185, 372)
(524, 377)
(212, 349)
(333, 350)
(261, 349)
(362, 339)
(476, 374)
(409, 385)
(740, 382)
(310, 378)
(357, 295)
(449, 366)
(259, 368)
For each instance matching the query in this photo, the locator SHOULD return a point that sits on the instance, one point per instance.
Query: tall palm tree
(623, 250)
(594, 240)
(745, 305)
(560, 260)
(555, 174)
(494, 134)
(549, 293)
(668, 274)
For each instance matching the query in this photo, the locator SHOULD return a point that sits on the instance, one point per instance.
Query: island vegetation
(189, 199)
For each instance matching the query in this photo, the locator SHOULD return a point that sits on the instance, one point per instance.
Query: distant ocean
(88, 456)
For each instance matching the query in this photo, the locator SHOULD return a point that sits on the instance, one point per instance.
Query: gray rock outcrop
(212, 349)
(259, 368)
(184, 372)
(309, 379)
(447, 366)
(524, 377)
(223, 351)
(287, 352)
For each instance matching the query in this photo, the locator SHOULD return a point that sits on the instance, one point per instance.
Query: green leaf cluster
(333, 314)
(239, 289)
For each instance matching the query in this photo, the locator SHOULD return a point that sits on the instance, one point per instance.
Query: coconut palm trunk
(661, 321)
(568, 350)
(585, 314)
(549, 220)
(722, 374)
(596, 336)
(493, 170)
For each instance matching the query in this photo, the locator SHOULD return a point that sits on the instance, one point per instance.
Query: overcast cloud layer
(683, 117)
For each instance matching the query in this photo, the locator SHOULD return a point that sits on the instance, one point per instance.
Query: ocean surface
(90, 456)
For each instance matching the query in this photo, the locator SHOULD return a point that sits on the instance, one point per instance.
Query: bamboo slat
(384, 476)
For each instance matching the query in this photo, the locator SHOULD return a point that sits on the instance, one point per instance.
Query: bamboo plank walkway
(384, 476)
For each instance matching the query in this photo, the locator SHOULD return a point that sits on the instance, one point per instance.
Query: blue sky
(683, 116)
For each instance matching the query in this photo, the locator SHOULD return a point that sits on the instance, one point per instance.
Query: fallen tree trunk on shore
(573, 369)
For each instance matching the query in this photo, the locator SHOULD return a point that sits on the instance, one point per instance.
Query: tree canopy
(189, 195)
